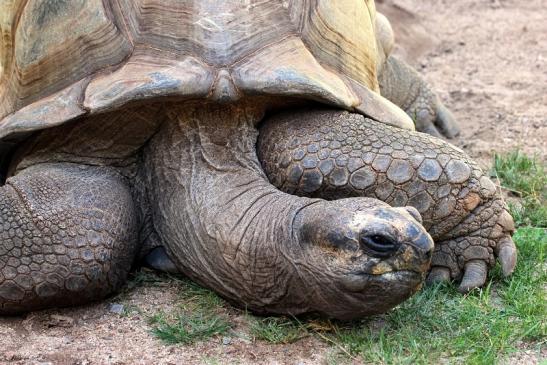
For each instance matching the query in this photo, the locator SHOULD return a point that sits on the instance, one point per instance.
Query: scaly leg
(406, 88)
(68, 236)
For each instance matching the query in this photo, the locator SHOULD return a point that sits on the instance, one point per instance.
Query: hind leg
(406, 88)
(335, 154)
(68, 235)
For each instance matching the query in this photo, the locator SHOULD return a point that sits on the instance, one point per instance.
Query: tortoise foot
(473, 247)
(158, 259)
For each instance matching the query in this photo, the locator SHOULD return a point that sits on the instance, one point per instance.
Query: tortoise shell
(61, 59)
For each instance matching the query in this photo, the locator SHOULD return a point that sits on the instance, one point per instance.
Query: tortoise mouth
(408, 275)
(399, 276)
(359, 281)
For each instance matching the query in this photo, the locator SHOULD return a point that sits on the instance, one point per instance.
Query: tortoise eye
(378, 245)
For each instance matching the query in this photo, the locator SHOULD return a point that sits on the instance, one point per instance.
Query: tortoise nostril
(378, 245)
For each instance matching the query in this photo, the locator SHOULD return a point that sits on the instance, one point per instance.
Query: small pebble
(56, 320)
(116, 308)
(226, 341)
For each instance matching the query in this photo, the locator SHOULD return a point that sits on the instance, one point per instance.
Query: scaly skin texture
(333, 154)
(406, 88)
(67, 236)
(110, 140)
(77, 199)
(85, 198)
(228, 228)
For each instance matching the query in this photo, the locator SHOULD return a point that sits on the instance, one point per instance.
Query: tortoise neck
(218, 216)
(225, 135)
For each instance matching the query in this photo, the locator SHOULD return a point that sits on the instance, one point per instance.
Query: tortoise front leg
(335, 154)
(406, 88)
(68, 236)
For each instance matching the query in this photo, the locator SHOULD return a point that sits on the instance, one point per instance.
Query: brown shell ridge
(79, 35)
(115, 9)
(150, 49)
(219, 33)
(300, 74)
(343, 47)
(143, 80)
(50, 111)
(8, 19)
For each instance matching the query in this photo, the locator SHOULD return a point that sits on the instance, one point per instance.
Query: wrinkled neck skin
(227, 227)
(212, 208)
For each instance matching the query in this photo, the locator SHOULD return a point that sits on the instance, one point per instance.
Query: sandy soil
(488, 61)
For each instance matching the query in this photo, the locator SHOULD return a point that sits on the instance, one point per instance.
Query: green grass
(276, 330)
(197, 316)
(525, 177)
(195, 297)
(187, 328)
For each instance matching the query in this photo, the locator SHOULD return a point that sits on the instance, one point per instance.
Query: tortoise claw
(435, 119)
(445, 121)
(429, 128)
(438, 274)
(507, 256)
(474, 276)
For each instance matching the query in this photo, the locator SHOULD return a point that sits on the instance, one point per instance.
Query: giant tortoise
(250, 145)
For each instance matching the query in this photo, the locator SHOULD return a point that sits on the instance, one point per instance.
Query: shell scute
(140, 79)
(55, 44)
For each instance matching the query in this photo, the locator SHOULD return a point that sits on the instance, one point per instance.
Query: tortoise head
(366, 253)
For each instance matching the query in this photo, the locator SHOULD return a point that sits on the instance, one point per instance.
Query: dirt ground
(488, 61)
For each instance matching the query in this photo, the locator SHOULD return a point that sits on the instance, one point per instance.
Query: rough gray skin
(406, 88)
(181, 186)
(84, 198)
(333, 154)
